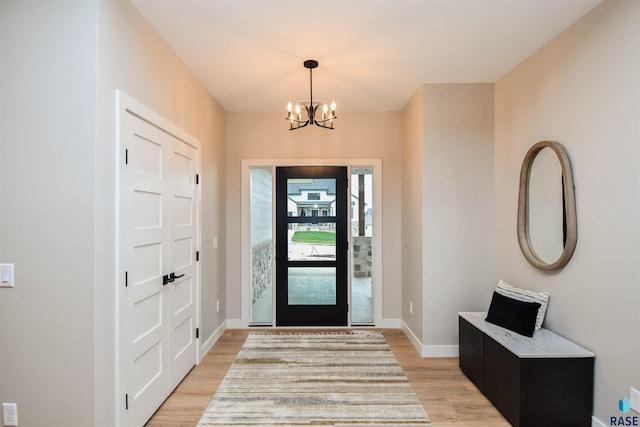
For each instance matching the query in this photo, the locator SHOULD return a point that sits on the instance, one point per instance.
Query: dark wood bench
(546, 380)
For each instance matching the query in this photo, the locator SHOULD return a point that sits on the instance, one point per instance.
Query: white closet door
(144, 375)
(182, 253)
(158, 243)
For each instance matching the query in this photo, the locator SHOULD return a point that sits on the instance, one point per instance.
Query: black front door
(311, 246)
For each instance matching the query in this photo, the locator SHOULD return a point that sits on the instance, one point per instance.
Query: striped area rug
(315, 379)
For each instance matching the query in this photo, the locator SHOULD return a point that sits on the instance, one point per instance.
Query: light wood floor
(449, 398)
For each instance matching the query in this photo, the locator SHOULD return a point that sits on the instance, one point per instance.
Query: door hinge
(126, 279)
(126, 402)
(126, 156)
(197, 179)
(197, 255)
(197, 333)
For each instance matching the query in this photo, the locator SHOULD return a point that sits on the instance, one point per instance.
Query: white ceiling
(373, 54)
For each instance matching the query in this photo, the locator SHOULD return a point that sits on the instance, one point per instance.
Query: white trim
(378, 247)
(245, 248)
(412, 337)
(597, 423)
(121, 101)
(392, 323)
(245, 239)
(209, 342)
(385, 324)
(235, 324)
(429, 351)
(440, 351)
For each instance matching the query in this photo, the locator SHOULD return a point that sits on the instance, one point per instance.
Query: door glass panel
(311, 197)
(362, 246)
(312, 242)
(312, 286)
(261, 246)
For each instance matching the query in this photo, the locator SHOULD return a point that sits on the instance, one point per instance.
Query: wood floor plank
(449, 398)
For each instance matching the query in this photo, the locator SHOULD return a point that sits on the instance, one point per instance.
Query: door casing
(245, 225)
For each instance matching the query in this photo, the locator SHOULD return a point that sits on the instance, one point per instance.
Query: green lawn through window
(315, 237)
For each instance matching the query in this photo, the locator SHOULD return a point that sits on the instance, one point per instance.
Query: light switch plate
(10, 414)
(6, 275)
(635, 399)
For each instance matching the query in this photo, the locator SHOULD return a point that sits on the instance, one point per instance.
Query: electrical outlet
(410, 307)
(217, 306)
(10, 414)
(635, 399)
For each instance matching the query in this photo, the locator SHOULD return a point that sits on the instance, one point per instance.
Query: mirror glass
(546, 215)
(547, 224)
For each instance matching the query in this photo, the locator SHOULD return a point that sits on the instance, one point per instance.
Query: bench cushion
(525, 295)
(515, 315)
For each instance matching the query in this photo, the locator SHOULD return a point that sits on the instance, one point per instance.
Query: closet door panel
(144, 229)
(182, 252)
(157, 305)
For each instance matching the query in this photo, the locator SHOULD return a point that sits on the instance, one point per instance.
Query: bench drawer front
(471, 352)
(557, 392)
(502, 380)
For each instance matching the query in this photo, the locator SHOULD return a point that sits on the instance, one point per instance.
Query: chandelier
(314, 113)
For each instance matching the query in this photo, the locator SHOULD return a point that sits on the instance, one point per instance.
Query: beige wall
(448, 251)
(412, 205)
(374, 135)
(458, 206)
(583, 90)
(47, 129)
(62, 63)
(132, 58)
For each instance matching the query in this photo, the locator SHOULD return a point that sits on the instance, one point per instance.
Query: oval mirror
(547, 225)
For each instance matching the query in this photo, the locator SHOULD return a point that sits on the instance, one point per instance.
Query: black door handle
(166, 279)
(174, 277)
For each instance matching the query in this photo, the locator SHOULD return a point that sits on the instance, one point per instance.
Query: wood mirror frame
(571, 236)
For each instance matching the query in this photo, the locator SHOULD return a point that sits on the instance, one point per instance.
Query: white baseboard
(391, 323)
(597, 423)
(429, 350)
(235, 324)
(423, 350)
(213, 338)
(412, 337)
(440, 351)
(386, 323)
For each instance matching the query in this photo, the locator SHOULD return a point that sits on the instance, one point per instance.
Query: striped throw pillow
(507, 290)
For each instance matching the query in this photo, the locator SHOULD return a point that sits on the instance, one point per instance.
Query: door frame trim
(126, 104)
(245, 244)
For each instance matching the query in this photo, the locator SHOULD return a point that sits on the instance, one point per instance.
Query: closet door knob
(166, 279)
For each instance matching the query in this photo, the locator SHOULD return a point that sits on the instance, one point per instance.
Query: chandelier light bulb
(289, 106)
(333, 106)
(325, 109)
